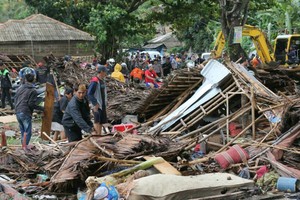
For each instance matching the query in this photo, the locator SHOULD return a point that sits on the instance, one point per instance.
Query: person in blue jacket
(97, 94)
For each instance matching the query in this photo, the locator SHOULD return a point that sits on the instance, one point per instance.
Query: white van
(152, 54)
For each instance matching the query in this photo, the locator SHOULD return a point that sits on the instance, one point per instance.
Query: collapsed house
(220, 109)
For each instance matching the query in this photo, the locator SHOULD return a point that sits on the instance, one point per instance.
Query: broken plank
(184, 77)
(180, 86)
(8, 119)
(14, 194)
(164, 167)
(48, 108)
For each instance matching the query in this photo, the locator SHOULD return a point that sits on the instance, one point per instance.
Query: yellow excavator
(263, 48)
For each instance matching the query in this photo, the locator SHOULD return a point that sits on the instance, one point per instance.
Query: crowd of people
(141, 68)
(71, 113)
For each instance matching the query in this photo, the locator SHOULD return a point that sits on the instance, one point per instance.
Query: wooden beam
(48, 108)
(164, 167)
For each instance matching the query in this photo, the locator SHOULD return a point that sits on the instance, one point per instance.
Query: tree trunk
(233, 13)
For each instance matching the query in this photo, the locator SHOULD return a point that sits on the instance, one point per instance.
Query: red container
(122, 127)
(3, 139)
(235, 154)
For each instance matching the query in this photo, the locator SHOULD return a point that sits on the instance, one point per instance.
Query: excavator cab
(284, 44)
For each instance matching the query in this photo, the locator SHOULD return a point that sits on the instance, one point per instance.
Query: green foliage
(16, 9)
(192, 21)
(13, 141)
(72, 12)
(275, 14)
(119, 24)
(115, 28)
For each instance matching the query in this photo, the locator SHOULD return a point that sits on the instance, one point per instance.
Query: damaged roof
(169, 40)
(39, 27)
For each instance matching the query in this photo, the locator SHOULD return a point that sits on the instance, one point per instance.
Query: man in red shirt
(150, 77)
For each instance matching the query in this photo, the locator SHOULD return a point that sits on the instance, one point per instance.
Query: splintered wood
(123, 98)
(188, 122)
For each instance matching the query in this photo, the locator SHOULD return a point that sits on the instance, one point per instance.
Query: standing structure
(39, 35)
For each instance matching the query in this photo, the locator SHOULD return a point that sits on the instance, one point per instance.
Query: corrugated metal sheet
(153, 46)
(40, 28)
(169, 40)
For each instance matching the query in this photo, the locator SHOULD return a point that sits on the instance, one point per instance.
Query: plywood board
(164, 167)
(8, 119)
(167, 186)
(48, 108)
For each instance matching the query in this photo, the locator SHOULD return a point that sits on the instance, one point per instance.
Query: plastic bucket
(286, 184)
(122, 127)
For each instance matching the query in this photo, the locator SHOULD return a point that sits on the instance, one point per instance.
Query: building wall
(38, 50)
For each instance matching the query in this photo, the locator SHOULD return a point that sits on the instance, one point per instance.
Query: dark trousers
(73, 133)
(6, 94)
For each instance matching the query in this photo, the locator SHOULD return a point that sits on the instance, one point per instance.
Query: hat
(101, 68)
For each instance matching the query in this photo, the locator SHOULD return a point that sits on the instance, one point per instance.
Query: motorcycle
(39, 88)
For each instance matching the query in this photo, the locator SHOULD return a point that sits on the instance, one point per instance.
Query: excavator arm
(263, 48)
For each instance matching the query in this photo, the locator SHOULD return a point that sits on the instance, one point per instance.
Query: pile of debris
(123, 98)
(217, 119)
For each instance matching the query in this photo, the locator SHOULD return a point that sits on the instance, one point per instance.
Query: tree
(192, 21)
(235, 13)
(118, 24)
(14, 10)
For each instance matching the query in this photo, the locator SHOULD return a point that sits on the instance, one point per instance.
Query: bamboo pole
(170, 133)
(271, 131)
(99, 147)
(211, 106)
(224, 147)
(227, 111)
(219, 128)
(234, 117)
(117, 160)
(227, 114)
(288, 133)
(198, 114)
(215, 123)
(195, 114)
(208, 126)
(238, 135)
(253, 113)
(272, 107)
(144, 124)
(56, 145)
(286, 97)
(273, 146)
